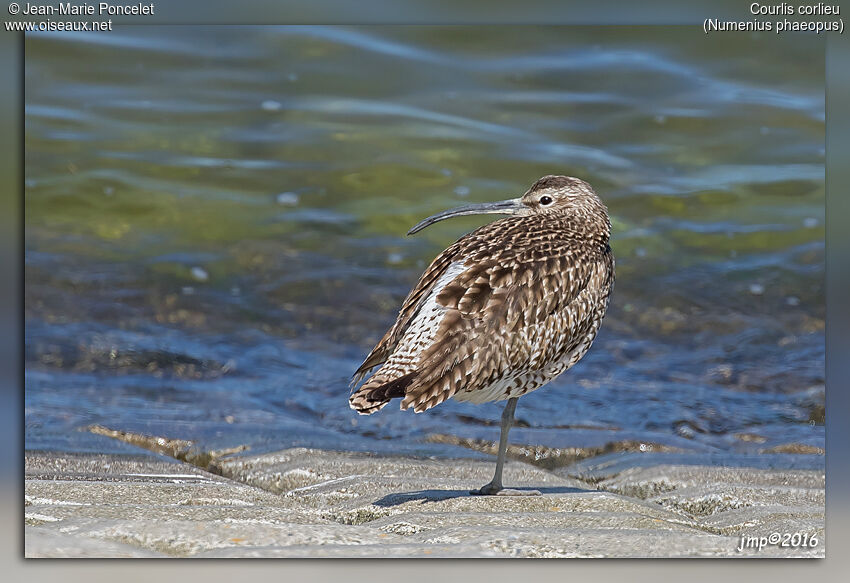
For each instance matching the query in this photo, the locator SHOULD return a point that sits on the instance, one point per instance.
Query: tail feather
(377, 392)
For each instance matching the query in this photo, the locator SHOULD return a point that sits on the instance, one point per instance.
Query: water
(215, 224)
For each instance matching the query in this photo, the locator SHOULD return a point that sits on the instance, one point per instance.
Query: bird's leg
(495, 486)
(507, 422)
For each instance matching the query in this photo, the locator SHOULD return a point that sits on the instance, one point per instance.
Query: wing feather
(484, 335)
(409, 309)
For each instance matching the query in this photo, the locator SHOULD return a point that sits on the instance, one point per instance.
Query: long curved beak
(504, 207)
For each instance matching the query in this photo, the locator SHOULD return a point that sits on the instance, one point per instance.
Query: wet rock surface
(313, 503)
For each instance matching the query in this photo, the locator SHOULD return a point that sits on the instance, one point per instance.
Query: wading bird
(502, 311)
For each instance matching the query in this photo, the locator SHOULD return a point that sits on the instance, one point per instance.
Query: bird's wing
(496, 313)
(410, 307)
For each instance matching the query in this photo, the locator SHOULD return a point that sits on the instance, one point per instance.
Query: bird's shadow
(437, 495)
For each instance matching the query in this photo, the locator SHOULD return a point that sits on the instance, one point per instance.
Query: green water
(215, 224)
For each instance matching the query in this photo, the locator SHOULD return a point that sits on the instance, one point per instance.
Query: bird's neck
(575, 226)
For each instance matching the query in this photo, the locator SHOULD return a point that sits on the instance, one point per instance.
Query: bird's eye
(545, 200)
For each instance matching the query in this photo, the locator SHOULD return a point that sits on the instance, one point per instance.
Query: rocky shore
(314, 503)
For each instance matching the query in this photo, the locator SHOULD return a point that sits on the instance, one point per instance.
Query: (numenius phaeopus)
(502, 311)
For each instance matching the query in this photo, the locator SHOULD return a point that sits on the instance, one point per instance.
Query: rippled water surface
(215, 224)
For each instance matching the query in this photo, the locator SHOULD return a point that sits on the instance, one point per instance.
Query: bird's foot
(488, 490)
(495, 490)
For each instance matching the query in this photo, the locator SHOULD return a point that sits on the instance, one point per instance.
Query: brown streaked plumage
(502, 311)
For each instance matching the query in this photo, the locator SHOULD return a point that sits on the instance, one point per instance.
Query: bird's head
(549, 196)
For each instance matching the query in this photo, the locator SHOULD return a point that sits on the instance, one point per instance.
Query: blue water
(215, 224)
